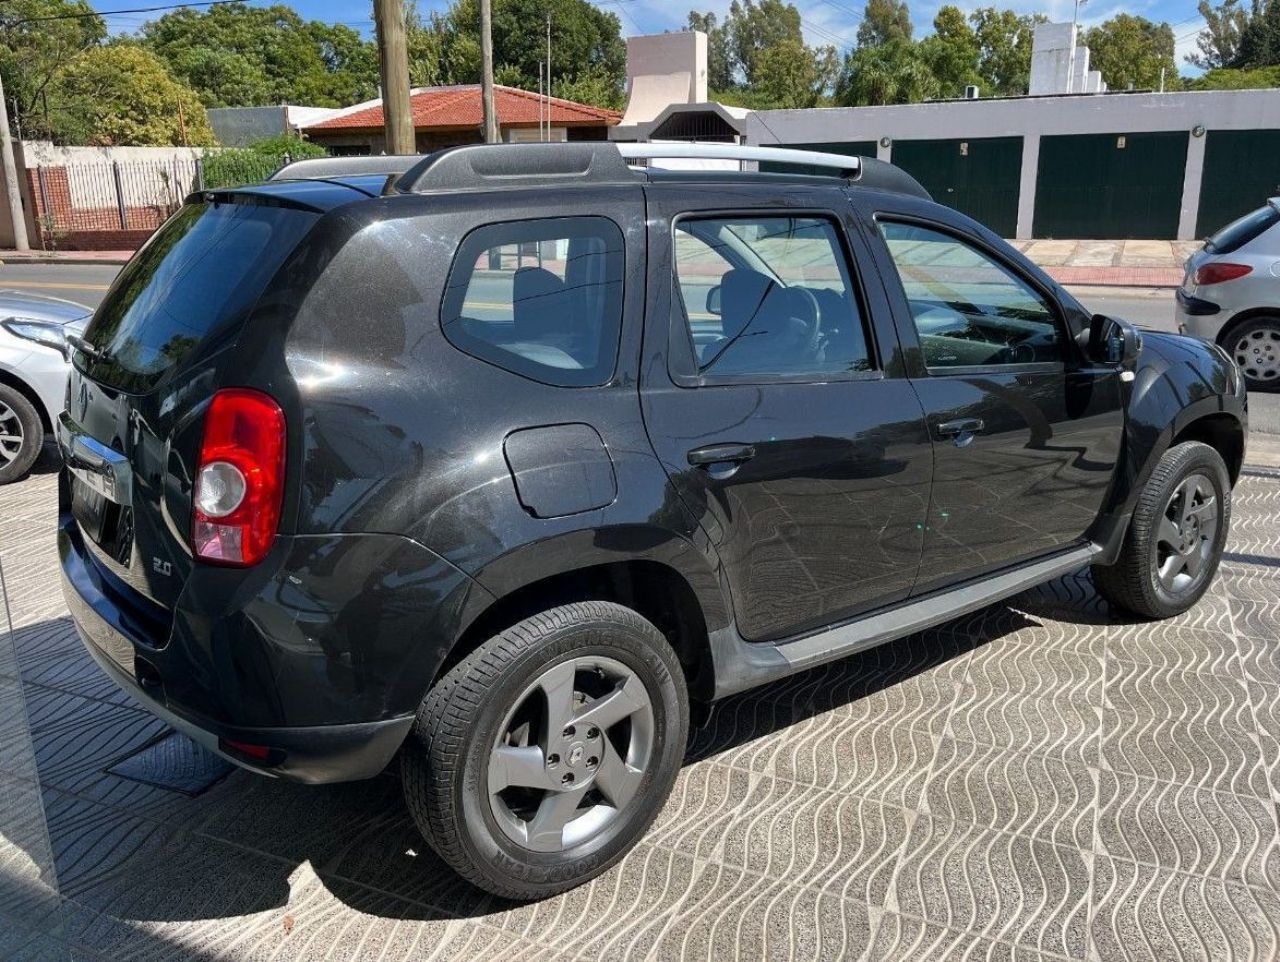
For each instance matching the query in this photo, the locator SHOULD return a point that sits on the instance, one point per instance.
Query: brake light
(1218, 272)
(240, 478)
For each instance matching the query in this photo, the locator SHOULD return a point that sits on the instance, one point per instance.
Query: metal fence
(113, 196)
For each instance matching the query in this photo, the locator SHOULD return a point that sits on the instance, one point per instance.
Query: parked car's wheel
(1175, 538)
(1255, 347)
(541, 758)
(21, 435)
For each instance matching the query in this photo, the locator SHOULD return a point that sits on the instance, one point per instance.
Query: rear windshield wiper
(84, 347)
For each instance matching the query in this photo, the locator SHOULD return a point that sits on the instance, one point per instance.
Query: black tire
(446, 763)
(1255, 347)
(1133, 582)
(18, 414)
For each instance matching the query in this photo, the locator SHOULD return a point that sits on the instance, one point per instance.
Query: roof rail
(492, 166)
(323, 168)
(847, 166)
(517, 165)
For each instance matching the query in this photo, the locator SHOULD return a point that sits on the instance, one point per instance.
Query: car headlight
(46, 333)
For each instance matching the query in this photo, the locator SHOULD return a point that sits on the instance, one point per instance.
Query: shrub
(255, 163)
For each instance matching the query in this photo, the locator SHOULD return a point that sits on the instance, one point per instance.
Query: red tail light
(1216, 273)
(240, 479)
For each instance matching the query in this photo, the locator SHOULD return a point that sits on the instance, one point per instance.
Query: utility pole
(1071, 59)
(11, 188)
(393, 61)
(490, 115)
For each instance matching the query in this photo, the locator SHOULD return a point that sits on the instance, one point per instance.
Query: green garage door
(849, 148)
(978, 177)
(1241, 170)
(1110, 185)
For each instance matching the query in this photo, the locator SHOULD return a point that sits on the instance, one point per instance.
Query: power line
(110, 13)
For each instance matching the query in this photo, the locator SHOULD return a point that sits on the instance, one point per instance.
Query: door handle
(962, 429)
(720, 453)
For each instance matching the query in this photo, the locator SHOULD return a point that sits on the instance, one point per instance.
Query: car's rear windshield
(1242, 230)
(192, 284)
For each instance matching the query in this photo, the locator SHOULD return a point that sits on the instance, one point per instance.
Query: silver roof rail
(846, 166)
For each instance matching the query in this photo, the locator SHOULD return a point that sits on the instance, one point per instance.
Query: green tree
(884, 21)
(234, 55)
(788, 75)
(719, 54)
(892, 73)
(257, 161)
(755, 26)
(1004, 49)
(588, 55)
(33, 51)
(122, 95)
(1226, 78)
(1132, 52)
(951, 53)
(1260, 37)
(1220, 38)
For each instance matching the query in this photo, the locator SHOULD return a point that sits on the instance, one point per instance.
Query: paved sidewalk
(1123, 263)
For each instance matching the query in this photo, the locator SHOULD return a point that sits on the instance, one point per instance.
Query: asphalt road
(1148, 307)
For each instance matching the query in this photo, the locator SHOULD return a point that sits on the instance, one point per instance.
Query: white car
(1231, 294)
(35, 358)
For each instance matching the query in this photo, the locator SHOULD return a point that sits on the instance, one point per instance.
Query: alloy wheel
(1186, 536)
(11, 437)
(1258, 354)
(571, 754)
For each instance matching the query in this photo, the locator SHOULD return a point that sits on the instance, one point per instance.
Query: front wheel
(1176, 536)
(538, 761)
(1255, 347)
(21, 435)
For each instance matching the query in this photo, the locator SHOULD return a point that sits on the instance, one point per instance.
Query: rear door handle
(720, 453)
(962, 429)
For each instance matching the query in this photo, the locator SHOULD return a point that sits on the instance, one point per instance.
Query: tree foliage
(892, 73)
(884, 21)
(34, 51)
(122, 95)
(1260, 37)
(1132, 52)
(951, 53)
(1004, 50)
(1227, 78)
(1220, 38)
(588, 55)
(234, 55)
(757, 56)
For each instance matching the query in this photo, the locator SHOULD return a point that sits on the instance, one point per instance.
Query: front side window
(540, 298)
(970, 310)
(768, 297)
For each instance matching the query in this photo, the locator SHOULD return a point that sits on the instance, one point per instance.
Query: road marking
(53, 285)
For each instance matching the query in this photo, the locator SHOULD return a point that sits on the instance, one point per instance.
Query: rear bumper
(327, 686)
(1195, 306)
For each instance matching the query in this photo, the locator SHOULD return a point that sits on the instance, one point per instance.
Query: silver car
(1231, 294)
(35, 358)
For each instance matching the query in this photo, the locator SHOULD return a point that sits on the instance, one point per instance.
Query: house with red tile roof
(449, 116)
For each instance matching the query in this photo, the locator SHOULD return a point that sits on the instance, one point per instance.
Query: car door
(1026, 432)
(782, 416)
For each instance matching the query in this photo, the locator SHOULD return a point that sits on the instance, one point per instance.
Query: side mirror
(713, 301)
(1113, 341)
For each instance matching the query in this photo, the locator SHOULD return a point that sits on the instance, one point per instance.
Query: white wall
(1031, 118)
(150, 176)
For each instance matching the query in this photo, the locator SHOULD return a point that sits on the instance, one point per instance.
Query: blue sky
(825, 21)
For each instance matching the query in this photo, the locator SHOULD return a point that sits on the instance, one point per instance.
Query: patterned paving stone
(1043, 779)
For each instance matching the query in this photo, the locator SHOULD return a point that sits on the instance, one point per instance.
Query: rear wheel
(21, 435)
(1255, 347)
(539, 760)
(1176, 536)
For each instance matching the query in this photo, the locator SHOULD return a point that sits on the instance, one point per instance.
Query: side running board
(741, 664)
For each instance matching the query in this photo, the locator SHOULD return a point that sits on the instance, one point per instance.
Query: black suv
(494, 463)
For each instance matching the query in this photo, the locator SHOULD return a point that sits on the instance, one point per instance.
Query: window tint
(769, 296)
(1243, 230)
(192, 283)
(540, 298)
(969, 309)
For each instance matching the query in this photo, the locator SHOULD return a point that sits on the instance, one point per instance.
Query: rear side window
(192, 284)
(768, 298)
(540, 298)
(1243, 230)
